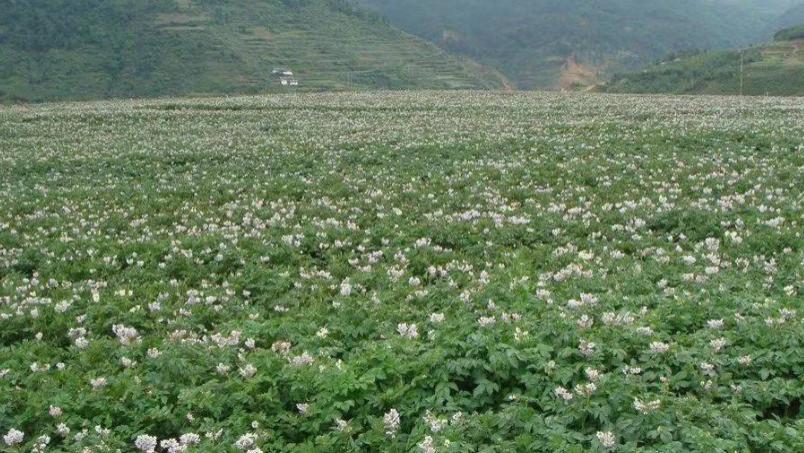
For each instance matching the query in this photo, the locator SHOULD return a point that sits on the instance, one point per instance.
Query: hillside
(86, 49)
(776, 68)
(545, 43)
(790, 17)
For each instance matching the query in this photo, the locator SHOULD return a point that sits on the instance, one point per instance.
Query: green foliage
(505, 272)
(89, 49)
(773, 69)
(790, 34)
(531, 41)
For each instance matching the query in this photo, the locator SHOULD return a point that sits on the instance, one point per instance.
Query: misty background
(89, 49)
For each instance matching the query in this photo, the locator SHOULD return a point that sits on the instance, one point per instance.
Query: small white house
(285, 77)
(281, 72)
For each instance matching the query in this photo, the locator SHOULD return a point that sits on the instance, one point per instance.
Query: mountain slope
(790, 17)
(537, 42)
(85, 49)
(776, 69)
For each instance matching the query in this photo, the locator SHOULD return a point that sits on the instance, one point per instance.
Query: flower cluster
(518, 271)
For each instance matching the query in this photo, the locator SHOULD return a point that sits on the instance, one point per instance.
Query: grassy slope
(84, 49)
(531, 41)
(773, 69)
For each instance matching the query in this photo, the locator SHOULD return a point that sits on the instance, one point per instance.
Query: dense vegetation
(90, 49)
(776, 69)
(790, 34)
(402, 272)
(86, 49)
(532, 41)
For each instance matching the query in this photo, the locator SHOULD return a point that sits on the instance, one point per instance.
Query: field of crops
(450, 272)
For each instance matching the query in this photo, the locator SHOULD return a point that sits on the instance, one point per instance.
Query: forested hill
(87, 49)
(775, 68)
(570, 43)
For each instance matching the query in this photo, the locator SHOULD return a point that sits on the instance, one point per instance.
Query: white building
(285, 77)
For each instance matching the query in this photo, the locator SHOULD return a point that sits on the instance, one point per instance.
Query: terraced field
(775, 69)
(439, 271)
(62, 50)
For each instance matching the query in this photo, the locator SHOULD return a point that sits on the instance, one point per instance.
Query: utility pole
(741, 72)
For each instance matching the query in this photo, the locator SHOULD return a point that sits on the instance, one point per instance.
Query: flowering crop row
(426, 272)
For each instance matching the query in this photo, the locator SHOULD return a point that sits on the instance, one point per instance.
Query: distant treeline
(790, 34)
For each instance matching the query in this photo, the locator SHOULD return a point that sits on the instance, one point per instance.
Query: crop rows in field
(426, 272)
